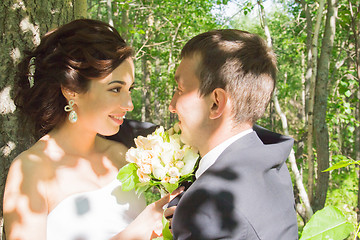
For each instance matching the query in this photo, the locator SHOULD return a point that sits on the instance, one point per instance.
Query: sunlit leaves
(328, 223)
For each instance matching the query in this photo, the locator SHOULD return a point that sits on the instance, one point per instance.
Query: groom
(243, 188)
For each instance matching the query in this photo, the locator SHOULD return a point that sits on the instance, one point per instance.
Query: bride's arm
(25, 205)
(148, 222)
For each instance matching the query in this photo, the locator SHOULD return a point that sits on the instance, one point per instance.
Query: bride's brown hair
(69, 57)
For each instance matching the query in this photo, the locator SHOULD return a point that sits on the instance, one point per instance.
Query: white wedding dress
(94, 215)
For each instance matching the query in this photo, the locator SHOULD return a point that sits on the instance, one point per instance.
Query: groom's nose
(172, 106)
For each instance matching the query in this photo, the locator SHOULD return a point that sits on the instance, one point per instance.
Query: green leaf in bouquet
(141, 187)
(170, 187)
(128, 177)
(167, 235)
(328, 223)
(187, 177)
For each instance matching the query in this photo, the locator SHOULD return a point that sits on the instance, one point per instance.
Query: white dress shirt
(210, 158)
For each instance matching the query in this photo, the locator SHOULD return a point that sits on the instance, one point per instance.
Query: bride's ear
(68, 94)
(219, 100)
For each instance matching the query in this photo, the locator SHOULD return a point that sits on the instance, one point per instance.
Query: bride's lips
(118, 119)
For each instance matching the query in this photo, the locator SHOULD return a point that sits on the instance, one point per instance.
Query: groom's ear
(219, 100)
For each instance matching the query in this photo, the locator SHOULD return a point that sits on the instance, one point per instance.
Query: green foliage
(328, 223)
(343, 163)
(128, 177)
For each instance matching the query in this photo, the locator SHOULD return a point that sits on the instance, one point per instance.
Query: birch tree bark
(320, 107)
(109, 12)
(310, 78)
(298, 179)
(21, 25)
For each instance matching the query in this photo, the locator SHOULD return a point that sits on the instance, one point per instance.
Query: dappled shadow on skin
(37, 170)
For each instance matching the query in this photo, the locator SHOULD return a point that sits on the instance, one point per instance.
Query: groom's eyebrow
(117, 81)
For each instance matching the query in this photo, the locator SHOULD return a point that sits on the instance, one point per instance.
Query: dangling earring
(69, 108)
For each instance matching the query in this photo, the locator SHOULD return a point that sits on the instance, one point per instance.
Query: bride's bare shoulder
(34, 161)
(114, 150)
(27, 175)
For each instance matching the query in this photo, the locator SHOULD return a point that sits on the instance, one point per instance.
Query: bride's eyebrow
(117, 81)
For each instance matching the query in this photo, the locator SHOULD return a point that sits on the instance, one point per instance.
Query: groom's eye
(115, 90)
(131, 88)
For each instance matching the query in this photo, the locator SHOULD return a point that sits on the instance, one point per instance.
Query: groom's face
(191, 108)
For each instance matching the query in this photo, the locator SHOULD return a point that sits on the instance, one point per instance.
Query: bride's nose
(127, 103)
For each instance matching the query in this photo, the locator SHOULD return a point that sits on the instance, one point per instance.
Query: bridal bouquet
(161, 159)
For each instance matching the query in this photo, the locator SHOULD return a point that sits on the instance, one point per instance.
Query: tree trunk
(321, 95)
(170, 70)
(80, 9)
(298, 180)
(109, 12)
(158, 118)
(21, 25)
(125, 25)
(146, 69)
(146, 81)
(310, 79)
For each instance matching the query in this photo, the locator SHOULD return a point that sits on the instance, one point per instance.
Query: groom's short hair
(239, 62)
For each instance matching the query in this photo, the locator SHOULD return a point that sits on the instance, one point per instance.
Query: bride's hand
(149, 222)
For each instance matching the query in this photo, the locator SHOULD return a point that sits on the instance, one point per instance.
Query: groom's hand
(168, 213)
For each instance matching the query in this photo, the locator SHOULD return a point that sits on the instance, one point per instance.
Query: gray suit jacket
(246, 194)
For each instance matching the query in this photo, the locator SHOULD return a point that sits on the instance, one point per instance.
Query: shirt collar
(210, 158)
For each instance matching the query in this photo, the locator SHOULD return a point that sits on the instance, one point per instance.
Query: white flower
(167, 153)
(179, 154)
(174, 180)
(145, 160)
(159, 131)
(133, 155)
(173, 172)
(190, 158)
(179, 164)
(147, 142)
(166, 179)
(142, 176)
(162, 156)
(159, 171)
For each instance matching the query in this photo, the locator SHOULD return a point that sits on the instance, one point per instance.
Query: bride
(73, 87)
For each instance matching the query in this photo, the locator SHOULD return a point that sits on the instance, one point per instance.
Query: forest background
(316, 100)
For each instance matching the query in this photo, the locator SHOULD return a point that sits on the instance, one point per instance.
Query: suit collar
(210, 158)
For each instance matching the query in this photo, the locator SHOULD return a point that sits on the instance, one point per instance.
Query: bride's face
(103, 107)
